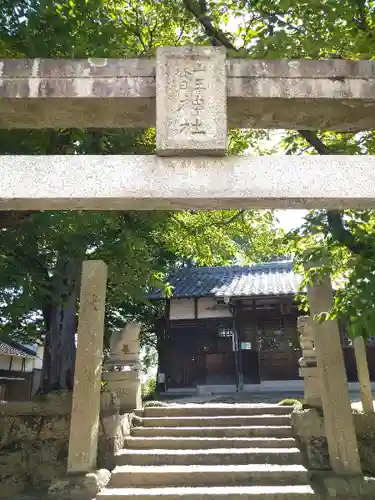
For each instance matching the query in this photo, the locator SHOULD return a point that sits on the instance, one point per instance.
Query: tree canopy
(41, 253)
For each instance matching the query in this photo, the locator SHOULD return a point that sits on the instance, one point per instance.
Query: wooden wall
(194, 354)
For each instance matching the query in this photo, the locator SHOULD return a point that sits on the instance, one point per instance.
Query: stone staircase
(210, 451)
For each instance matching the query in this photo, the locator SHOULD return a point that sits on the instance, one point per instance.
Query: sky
(290, 219)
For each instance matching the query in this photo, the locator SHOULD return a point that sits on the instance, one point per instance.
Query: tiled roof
(274, 278)
(13, 349)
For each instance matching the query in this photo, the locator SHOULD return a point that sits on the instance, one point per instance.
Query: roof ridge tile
(270, 278)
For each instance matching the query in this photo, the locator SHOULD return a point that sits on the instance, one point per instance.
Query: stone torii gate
(198, 95)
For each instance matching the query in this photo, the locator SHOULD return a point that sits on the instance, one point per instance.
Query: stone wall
(308, 426)
(34, 440)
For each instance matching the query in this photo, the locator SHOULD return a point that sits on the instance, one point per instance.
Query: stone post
(338, 418)
(308, 365)
(363, 374)
(84, 426)
(122, 371)
(191, 101)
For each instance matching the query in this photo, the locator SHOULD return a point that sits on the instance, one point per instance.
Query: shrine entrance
(200, 353)
(197, 94)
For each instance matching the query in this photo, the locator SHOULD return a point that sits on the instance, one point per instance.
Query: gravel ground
(239, 397)
(248, 397)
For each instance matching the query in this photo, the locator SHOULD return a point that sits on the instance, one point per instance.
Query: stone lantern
(122, 370)
(308, 364)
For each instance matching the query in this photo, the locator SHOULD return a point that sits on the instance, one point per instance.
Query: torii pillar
(338, 418)
(84, 424)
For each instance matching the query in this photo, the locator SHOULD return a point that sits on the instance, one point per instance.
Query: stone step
(232, 456)
(202, 443)
(213, 410)
(248, 431)
(303, 492)
(220, 421)
(205, 475)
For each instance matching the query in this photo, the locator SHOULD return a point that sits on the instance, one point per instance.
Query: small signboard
(245, 346)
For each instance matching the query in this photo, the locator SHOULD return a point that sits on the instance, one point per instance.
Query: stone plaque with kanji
(191, 101)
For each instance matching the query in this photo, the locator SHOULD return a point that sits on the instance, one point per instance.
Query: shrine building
(235, 328)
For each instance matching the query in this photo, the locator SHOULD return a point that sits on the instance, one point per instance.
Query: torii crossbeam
(316, 95)
(198, 93)
(155, 183)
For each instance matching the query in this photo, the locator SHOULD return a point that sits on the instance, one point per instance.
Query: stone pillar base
(329, 485)
(79, 486)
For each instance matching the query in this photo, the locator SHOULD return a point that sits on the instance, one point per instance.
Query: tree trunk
(61, 323)
(363, 374)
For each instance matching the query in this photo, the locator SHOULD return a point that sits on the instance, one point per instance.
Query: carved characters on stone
(191, 101)
(191, 87)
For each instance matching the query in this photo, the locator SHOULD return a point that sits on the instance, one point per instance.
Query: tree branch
(345, 237)
(315, 142)
(274, 18)
(335, 221)
(203, 6)
(362, 21)
(231, 219)
(136, 28)
(182, 32)
(217, 36)
(222, 39)
(335, 217)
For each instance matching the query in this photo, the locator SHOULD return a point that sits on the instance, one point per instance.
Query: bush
(291, 402)
(149, 388)
(154, 404)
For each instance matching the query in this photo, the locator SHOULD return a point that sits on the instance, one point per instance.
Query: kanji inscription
(191, 101)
